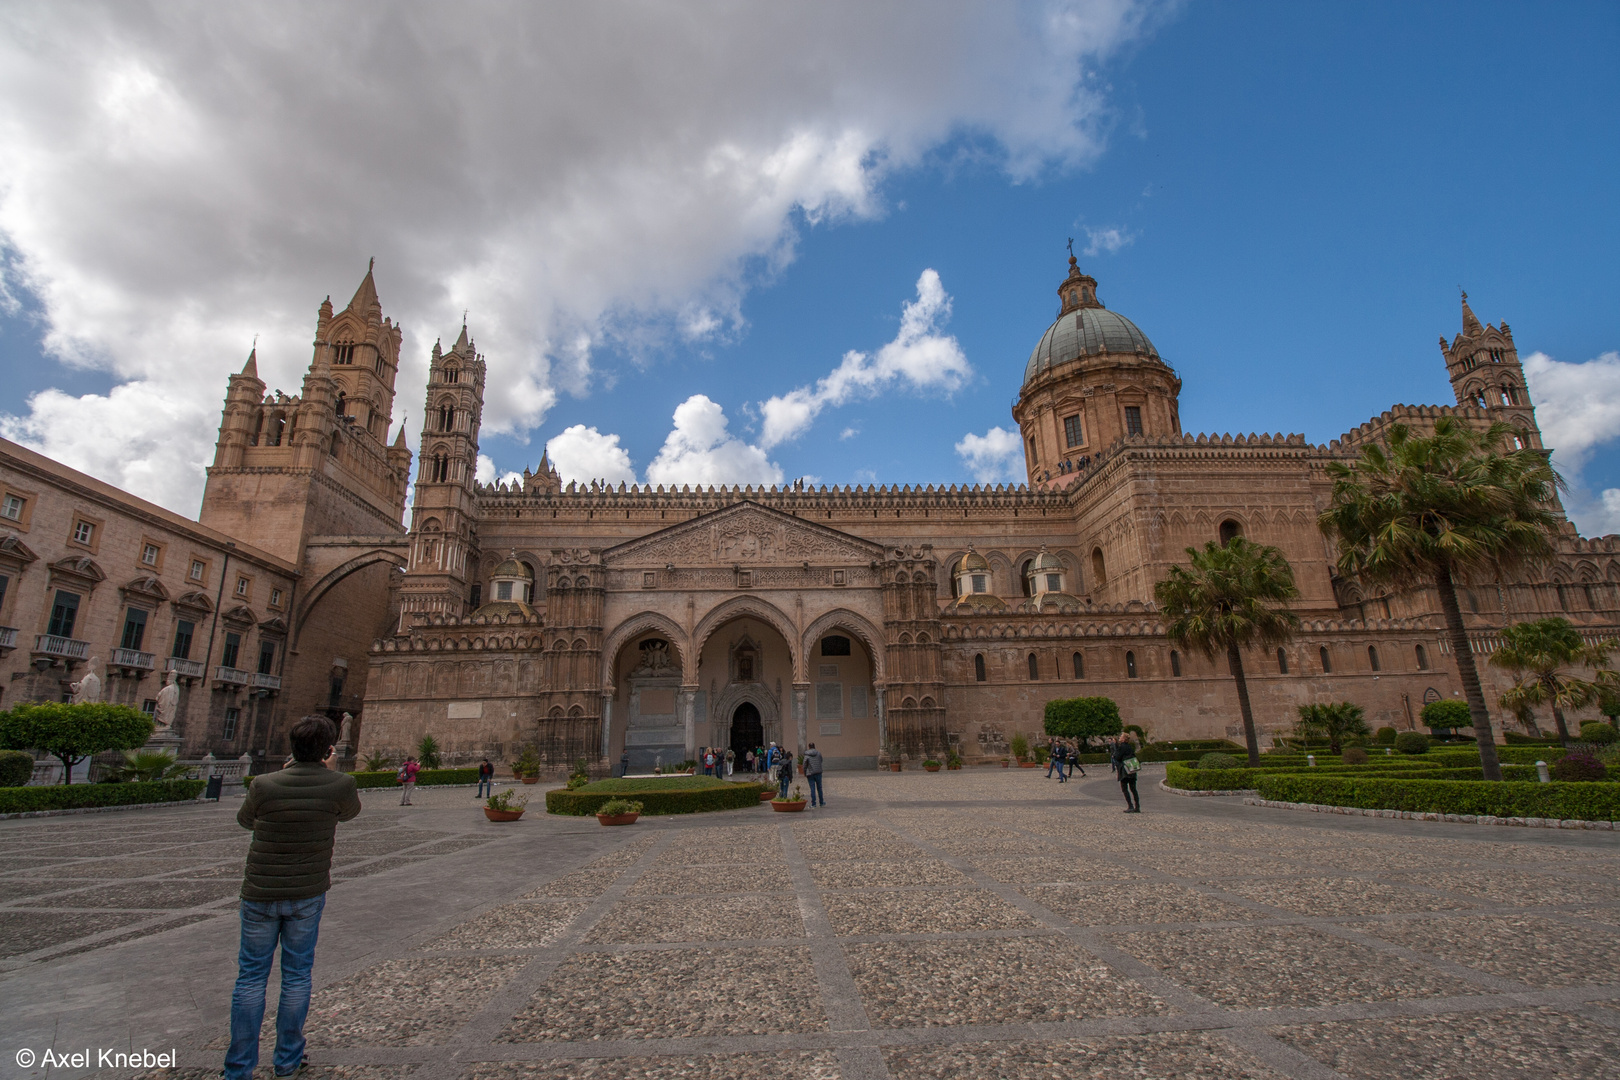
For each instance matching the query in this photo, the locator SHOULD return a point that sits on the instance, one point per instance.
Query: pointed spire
(461, 342)
(1470, 323)
(251, 368)
(366, 295)
(399, 440)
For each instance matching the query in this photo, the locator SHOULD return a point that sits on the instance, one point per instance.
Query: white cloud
(179, 177)
(584, 454)
(849, 433)
(486, 473)
(918, 357)
(1578, 409)
(994, 457)
(1108, 241)
(701, 451)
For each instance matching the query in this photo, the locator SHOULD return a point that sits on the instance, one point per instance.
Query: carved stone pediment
(746, 534)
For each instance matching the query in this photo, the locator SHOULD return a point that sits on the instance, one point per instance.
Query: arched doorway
(747, 732)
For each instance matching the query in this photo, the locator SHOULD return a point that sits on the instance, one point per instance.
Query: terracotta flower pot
(932, 768)
(617, 819)
(1004, 763)
(766, 796)
(502, 815)
(531, 779)
(894, 766)
(789, 806)
(953, 768)
(1029, 764)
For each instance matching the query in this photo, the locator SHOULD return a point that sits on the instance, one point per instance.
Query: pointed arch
(646, 622)
(844, 619)
(738, 607)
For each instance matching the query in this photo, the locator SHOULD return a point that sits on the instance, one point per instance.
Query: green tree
(1438, 509)
(1228, 599)
(1083, 718)
(1446, 714)
(1536, 653)
(427, 752)
(71, 733)
(1336, 723)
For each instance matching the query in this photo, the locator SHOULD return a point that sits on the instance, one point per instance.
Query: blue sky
(1284, 197)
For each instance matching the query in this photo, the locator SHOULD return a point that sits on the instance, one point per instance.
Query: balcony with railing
(231, 676)
(186, 669)
(134, 660)
(8, 637)
(270, 683)
(60, 648)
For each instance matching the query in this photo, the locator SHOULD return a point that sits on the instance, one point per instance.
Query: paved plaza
(985, 923)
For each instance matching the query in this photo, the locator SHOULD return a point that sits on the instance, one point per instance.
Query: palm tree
(1336, 722)
(1536, 652)
(1229, 598)
(1436, 509)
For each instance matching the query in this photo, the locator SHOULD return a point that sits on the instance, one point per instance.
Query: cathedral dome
(513, 569)
(1084, 328)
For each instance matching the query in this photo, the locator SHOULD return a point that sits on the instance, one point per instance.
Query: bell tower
(1483, 365)
(444, 517)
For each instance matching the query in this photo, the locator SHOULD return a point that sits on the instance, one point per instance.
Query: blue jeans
(485, 787)
(296, 923)
(785, 781)
(816, 794)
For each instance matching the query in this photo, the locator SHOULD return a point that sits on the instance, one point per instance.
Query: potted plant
(953, 760)
(931, 765)
(790, 805)
(893, 751)
(618, 812)
(527, 766)
(507, 806)
(1019, 745)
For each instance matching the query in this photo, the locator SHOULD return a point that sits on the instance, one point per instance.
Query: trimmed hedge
(16, 768)
(76, 796)
(1190, 778)
(637, 784)
(425, 778)
(683, 800)
(1564, 801)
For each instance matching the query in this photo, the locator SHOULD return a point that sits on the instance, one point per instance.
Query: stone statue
(87, 691)
(168, 704)
(345, 731)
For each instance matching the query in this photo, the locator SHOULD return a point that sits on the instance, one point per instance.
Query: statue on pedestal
(168, 704)
(345, 734)
(87, 691)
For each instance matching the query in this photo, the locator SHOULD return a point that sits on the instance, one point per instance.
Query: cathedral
(879, 623)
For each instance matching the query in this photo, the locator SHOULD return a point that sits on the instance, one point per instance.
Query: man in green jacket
(293, 814)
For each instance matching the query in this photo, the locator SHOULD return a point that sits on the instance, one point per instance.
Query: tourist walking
(1075, 762)
(1054, 760)
(731, 762)
(407, 779)
(751, 760)
(784, 773)
(812, 776)
(1060, 755)
(486, 779)
(1126, 766)
(624, 764)
(293, 814)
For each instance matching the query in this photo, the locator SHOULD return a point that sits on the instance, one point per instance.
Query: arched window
(447, 417)
(956, 585)
(1034, 669)
(1034, 455)
(1372, 657)
(1098, 571)
(441, 469)
(1023, 575)
(1130, 665)
(978, 667)
(1079, 666)
(278, 429)
(345, 353)
(1422, 659)
(337, 444)
(1230, 529)
(1327, 664)
(452, 375)
(1282, 662)
(1175, 663)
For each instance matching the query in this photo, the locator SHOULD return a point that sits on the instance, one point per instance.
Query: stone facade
(877, 621)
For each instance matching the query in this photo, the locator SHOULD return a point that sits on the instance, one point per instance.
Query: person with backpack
(407, 779)
(785, 773)
(486, 779)
(1126, 766)
(812, 776)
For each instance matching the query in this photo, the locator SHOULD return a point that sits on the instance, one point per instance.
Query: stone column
(688, 713)
(801, 713)
(607, 724)
(883, 725)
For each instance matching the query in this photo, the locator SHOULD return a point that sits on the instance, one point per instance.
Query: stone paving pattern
(971, 924)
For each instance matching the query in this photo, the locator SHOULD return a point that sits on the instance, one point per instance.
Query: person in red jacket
(407, 779)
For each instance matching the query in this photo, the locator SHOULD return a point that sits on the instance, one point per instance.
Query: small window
(1054, 582)
(198, 570)
(1071, 431)
(1282, 662)
(345, 353)
(149, 554)
(12, 508)
(980, 583)
(275, 598)
(1034, 668)
(1034, 454)
(134, 629)
(1372, 657)
(503, 590)
(475, 594)
(83, 532)
(1327, 664)
(978, 667)
(182, 638)
(4, 581)
(837, 645)
(149, 706)
(231, 717)
(1079, 663)
(1230, 530)
(1098, 574)
(1175, 663)
(1130, 665)
(242, 586)
(1422, 659)
(1133, 420)
(233, 648)
(64, 613)
(267, 657)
